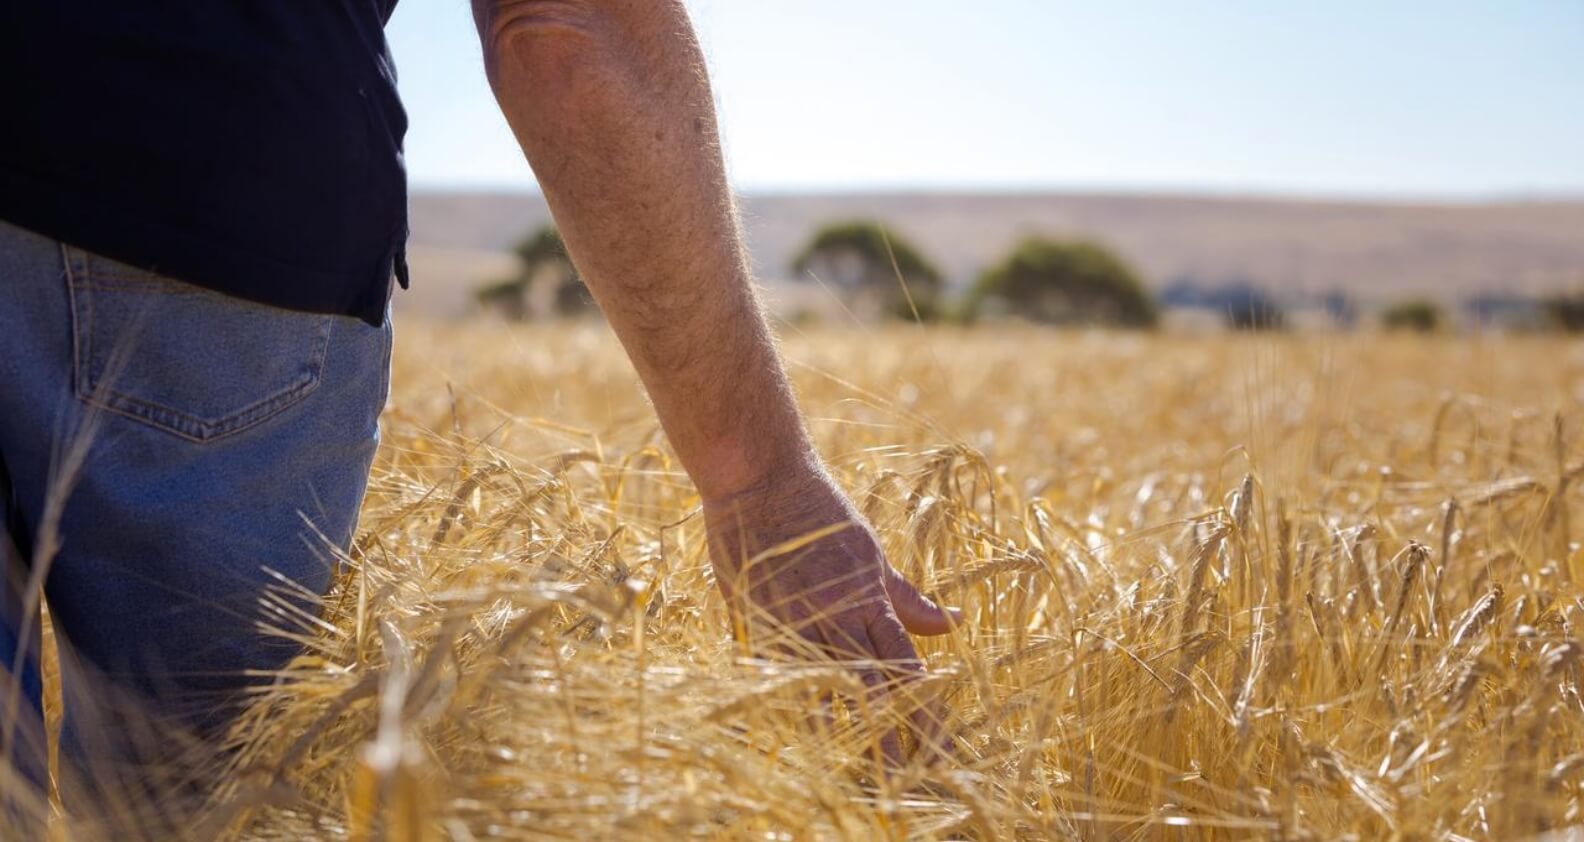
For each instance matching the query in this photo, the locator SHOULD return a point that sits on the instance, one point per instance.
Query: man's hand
(610, 103)
(794, 556)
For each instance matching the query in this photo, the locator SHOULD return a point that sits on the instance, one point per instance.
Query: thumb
(919, 614)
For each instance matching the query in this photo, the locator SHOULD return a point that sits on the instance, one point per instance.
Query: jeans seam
(385, 368)
(82, 328)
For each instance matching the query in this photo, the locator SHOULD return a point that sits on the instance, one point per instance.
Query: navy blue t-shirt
(253, 147)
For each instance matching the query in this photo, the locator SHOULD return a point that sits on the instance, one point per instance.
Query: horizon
(1167, 193)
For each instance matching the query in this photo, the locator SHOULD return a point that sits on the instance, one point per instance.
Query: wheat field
(1272, 587)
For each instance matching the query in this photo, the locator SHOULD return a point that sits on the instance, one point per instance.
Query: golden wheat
(1214, 588)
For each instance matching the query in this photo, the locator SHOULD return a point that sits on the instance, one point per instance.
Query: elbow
(539, 41)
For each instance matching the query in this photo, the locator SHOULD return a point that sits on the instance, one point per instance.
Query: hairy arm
(611, 104)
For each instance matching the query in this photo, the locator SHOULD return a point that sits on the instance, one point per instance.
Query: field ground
(1215, 588)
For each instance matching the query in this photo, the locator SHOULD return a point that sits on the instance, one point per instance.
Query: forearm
(612, 107)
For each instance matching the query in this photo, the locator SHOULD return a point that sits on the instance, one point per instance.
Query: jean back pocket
(184, 359)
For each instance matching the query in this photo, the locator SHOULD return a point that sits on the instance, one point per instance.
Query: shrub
(1565, 311)
(1066, 283)
(545, 283)
(1415, 314)
(871, 265)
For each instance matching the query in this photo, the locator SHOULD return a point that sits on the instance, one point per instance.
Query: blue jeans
(162, 449)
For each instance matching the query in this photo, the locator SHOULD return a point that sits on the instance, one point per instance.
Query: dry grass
(1296, 588)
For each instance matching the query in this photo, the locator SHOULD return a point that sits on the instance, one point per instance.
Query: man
(202, 208)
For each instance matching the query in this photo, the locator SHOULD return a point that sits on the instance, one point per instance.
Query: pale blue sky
(1348, 97)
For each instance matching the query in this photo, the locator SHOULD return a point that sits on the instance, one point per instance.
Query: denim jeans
(163, 449)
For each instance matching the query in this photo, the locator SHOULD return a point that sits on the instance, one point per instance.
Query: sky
(1341, 98)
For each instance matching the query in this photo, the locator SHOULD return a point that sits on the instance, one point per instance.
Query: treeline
(879, 274)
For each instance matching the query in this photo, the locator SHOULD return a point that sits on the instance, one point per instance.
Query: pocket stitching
(166, 418)
(176, 421)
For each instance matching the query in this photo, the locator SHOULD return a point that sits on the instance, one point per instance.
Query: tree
(1415, 314)
(1063, 282)
(1565, 311)
(545, 284)
(871, 265)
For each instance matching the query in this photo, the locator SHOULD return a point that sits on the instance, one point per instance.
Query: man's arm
(610, 102)
(611, 106)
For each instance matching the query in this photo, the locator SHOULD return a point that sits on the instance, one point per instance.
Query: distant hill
(1371, 251)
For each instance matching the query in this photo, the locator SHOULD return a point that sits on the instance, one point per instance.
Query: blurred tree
(1565, 311)
(870, 266)
(1416, 314)
(546, 283)
(1063, 282)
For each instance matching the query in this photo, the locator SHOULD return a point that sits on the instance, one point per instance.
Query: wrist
(734, 473)
(802, 497)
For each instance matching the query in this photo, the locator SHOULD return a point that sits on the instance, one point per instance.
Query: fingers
(847, 638)
(876, 690)
(876, 646)
(903, 668)
(919, 614)
(791, 633)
